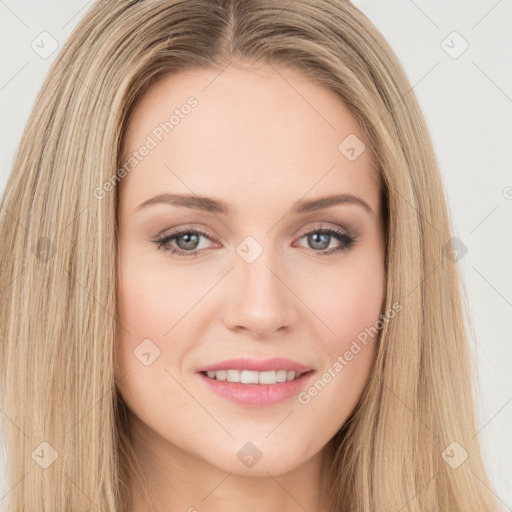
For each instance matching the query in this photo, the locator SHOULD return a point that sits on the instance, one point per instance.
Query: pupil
(188, 237)
(323, 244)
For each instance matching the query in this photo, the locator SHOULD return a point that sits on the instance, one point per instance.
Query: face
(252, 273)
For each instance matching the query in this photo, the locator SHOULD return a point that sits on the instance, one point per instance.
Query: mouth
(271, 377)
(255, 389)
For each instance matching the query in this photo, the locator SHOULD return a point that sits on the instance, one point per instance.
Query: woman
(170, 339)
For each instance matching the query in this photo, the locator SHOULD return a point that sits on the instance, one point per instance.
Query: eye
(321, 238)
(188, 241)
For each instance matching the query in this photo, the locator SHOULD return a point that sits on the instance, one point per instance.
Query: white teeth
(252, 377)
(281, 375)
(248, 377)
(233, 375)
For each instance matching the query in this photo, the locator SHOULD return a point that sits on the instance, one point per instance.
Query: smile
(254, 377)
(267, 391)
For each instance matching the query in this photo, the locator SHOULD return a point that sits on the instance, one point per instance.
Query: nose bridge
(260, 300)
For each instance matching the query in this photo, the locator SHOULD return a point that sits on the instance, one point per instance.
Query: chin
(253, 458)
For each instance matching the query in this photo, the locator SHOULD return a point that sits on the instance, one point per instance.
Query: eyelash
(347, 241)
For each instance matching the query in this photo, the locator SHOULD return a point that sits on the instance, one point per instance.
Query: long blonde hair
(68, 447)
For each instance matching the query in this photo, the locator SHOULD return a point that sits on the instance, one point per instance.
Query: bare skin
(260, 145)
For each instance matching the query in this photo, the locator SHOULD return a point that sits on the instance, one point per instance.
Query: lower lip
(256, 395)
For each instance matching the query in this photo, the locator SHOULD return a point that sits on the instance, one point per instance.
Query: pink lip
(275, 363)
(257, 395)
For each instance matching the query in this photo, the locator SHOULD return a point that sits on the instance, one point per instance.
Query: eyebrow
(217, 206)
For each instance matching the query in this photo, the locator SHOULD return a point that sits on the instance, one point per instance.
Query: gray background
(467, 100)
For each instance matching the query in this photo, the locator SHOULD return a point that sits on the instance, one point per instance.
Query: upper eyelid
(205, 232)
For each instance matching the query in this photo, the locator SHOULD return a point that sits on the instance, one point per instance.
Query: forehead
(253, 133)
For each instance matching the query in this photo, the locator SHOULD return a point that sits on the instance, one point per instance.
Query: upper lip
(244, 363)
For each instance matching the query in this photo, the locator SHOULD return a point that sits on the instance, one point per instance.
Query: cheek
(156, 305)
(349, 303)
(148, 308)
(348, 300)
(143, 315)
(151, 298)
(350, 309)
(141, 306)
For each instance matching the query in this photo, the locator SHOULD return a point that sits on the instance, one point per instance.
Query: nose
(260, 298)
